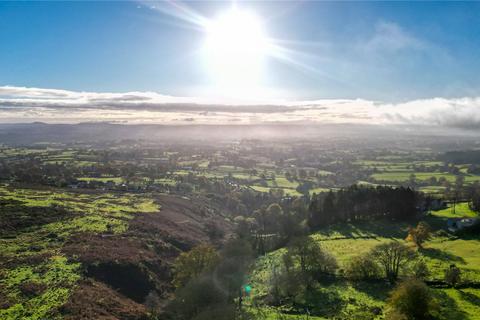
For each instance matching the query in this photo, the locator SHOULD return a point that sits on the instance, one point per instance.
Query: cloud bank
(24, 104)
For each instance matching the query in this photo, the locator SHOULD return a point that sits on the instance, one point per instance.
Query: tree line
(357, 203)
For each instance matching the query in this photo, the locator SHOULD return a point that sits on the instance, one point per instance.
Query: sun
(236, 47)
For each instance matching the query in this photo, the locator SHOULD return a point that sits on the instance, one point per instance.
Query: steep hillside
(94, 255)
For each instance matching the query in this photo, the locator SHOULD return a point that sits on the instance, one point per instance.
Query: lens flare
(236, 46)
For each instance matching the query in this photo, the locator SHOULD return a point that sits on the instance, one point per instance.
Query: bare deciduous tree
(392, 257)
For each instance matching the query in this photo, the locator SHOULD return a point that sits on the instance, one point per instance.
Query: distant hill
(37, 132)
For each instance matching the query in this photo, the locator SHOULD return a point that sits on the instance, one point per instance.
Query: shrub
(420, 269)
(453, 275)
(198, 296)
(362, 267)
(420, 234)
(305, 259)
(191, 264)
(411, 300)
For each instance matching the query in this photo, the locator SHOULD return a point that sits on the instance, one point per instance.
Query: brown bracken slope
(121, 270)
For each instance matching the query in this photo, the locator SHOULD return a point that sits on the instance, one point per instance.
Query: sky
(309, 61)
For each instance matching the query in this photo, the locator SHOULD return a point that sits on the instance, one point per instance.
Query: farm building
(455, 224)
(437, 204)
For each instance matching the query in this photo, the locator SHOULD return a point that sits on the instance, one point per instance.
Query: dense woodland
(358, 203)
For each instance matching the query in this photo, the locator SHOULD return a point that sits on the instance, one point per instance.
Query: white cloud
(460, 113)
(390, 36)
(23, 104)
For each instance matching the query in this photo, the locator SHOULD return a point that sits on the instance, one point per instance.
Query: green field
(166, 181)
(336, 299)
(346, 300)
(463, 304)
(432, 189)
(286, 191)
(104, 179)
(318, 190)
(462, 210)
(400, 176)
(397, 175)
(282, 182)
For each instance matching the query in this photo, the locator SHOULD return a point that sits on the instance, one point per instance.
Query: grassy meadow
(342, 299)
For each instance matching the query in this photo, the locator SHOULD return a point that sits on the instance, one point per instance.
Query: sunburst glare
(235, 50)
(236, 45)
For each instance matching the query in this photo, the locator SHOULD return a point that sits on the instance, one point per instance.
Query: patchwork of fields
(422, 172)
(72, 217)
